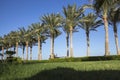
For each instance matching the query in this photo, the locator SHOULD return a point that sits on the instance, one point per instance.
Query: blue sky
(22, 13)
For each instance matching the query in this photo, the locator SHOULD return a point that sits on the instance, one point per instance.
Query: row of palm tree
(37, 33)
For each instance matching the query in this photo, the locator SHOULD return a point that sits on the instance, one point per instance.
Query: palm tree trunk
(67, 42)
(2, 52)
(106, 35)
(71, 41)
(26, 50)
(88, 43)
(16, 49)
(23, 51)
(30, 52)
(52, 47)
(39, 49)
(116, 39)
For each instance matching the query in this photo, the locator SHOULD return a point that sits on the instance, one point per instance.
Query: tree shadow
(61, 73)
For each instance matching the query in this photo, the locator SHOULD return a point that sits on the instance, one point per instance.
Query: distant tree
(89, 23)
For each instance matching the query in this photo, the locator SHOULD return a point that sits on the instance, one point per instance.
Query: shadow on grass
(71, 74)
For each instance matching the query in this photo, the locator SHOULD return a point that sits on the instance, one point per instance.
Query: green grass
(94, 70)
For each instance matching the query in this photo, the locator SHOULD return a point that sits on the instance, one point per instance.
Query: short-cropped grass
(94, 70)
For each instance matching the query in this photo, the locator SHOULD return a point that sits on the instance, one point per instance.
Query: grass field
(94, 70)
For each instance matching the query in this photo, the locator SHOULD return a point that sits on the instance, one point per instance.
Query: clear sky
(19, 13)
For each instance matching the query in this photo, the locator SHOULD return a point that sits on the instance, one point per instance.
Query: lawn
(89, 70)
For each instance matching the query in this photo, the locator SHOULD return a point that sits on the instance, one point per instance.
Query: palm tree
(89, 23)
(72, 15)
(114, 18)
(39, 31)
(102, 8)
(32, 40)
(27, 37)
(52, 23)
(66, 30)
(23, 42)
(14, 35)
(31, 44)
(5, 43)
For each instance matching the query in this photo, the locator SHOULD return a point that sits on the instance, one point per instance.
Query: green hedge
(91, 58)
(78, 59)
(13, 60)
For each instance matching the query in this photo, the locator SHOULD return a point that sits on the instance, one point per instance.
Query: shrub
(14, 60)
(17, 60)
(10, 53)
(91, 58)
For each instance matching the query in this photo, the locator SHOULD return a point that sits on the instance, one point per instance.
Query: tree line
(106, 12)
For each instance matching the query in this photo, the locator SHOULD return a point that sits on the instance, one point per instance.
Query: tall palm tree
(32, 40)
(102, 8)
(23, 42)
(38, 31)
(66, 30)
(27, 37)
(15, 40)
(89, 23)
(72, 15)
(114, 18)
(5, 44)
(52, 22)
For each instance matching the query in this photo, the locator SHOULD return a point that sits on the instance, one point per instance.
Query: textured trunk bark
(71, 41)
(38, 47)
(40, 50)
(30, 52)
(26, 50)
(116, 39)
(16, 49)
(67, 42)
(88, 43)
(106, 35)
(52, 47)
(2, 52)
